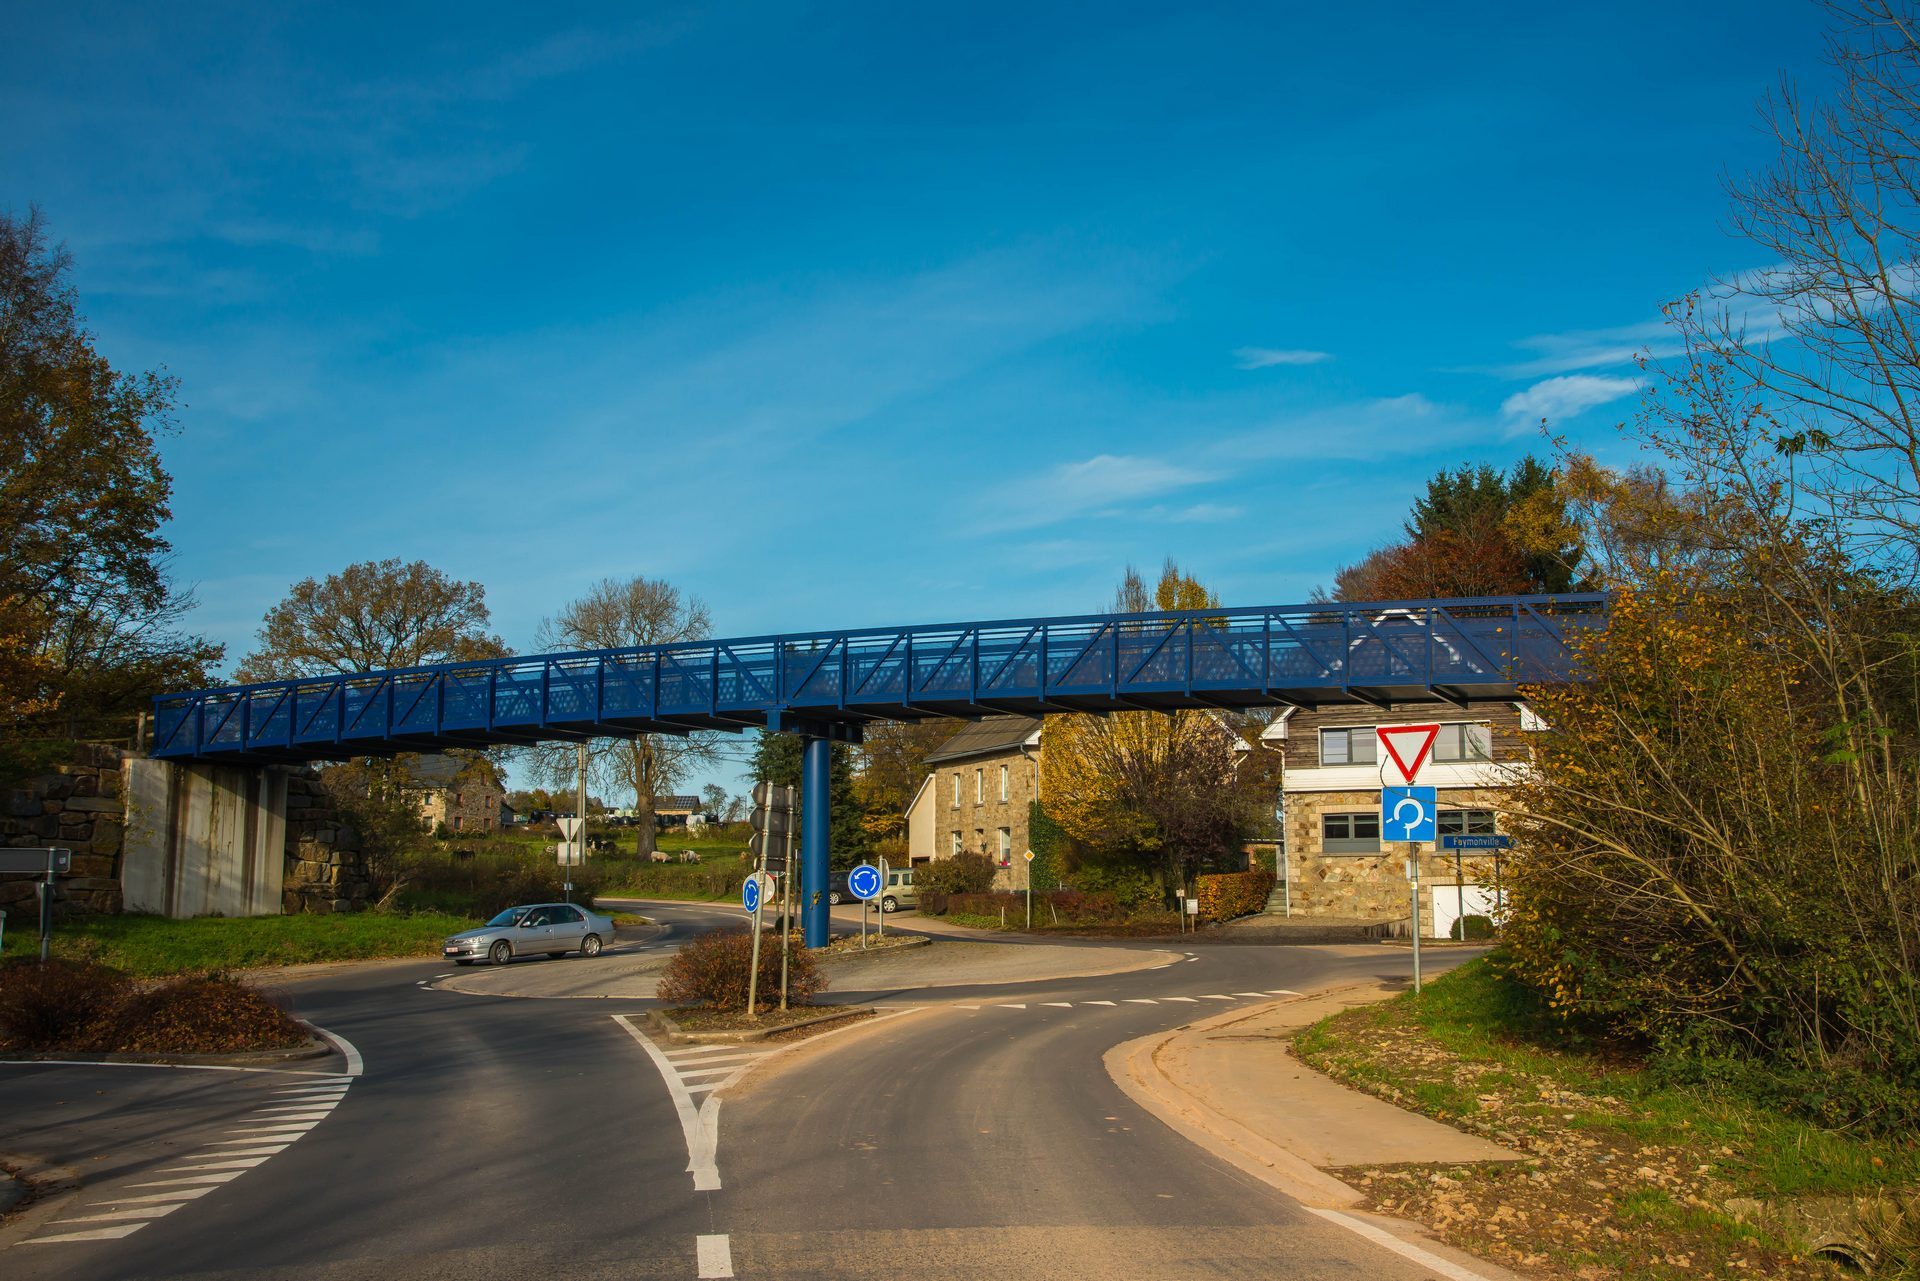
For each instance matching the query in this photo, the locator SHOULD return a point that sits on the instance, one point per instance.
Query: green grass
(155, 945)
(1496, 1030)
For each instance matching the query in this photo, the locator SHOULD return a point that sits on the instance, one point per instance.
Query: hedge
(1226, 895)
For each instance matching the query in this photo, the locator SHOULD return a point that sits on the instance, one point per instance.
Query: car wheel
(833, 897)
(501, 952)
(590, 945)
(889, 904)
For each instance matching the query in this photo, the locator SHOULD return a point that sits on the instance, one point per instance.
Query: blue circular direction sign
(864, 881)
(750, 894)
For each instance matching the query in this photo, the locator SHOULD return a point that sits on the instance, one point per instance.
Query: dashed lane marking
(714, 1255)
(1141, 1000)
(1065, 1005)
(285, 1115)
(1096, 1002)
(1215, 996)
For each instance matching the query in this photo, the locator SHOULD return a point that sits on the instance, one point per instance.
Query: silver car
(553, 928)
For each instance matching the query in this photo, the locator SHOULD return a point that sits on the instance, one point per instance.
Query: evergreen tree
(777, 759)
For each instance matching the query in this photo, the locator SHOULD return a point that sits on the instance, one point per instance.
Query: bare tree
(614, 615)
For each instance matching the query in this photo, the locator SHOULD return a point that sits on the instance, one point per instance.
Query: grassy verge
(688, 882)
(1139, 927)
(1628, 1177)
(155, 945)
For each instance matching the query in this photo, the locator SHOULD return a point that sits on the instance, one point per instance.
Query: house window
(1463, 741)
(979, 786)
(955, 841)
(458, 822)
(1357, 833)
(1353, 745)
(1464, 823)
(1006, 847)
(1003, 783)
(956, 787)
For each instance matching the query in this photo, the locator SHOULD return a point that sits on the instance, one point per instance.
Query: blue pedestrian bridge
(824, 685)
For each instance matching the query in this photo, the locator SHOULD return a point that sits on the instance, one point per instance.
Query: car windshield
(509, 917)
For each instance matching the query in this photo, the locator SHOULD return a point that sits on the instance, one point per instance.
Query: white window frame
(1006, 845)
(1457, 753)
(980, 786)
(1003, 784)
(957, 847)
(956, 789)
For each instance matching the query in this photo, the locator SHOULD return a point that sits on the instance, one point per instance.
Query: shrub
(1472, 927)
(932, 902)
(964, 873)
(1226, 895)
(79, 1006)
(58, 1004)
(713, 970)
(1132, 886)
(207, 1014)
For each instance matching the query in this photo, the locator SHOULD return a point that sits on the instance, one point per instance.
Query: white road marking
(1281, 991)
(98, 1234)
(1255, 995)
(714, 1255)
(277, 1131)
(700, 1126)
(1406, 1250)
(1215, 996)
(355, 1064)
(184, 1194)
(1096, 1002)
(966, 1007)
(238, 1163)
(687, 1074)
(186, 1180)
(139, 1212)
(1188, 999)
(1193, 958)
(1065, 1005)
(1012, 1007)
(1141, 1000)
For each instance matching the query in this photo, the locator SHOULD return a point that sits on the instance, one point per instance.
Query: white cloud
(1268, 357)
(1567, 395)
(1091, 486)
(1592, 348)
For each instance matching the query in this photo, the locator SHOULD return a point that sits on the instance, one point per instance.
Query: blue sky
(861, 314)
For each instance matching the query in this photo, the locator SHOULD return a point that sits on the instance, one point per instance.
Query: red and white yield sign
(1407, 746)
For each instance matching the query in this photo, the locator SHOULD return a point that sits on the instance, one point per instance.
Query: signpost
(1414, 811)
(1457, 843)
(864, 883)
(47, 863)
(772, 817)
(572, 849)
(1029, 858)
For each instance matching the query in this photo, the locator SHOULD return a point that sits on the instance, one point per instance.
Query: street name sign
(864, 881)
(1407, 747)
(1408, 813)
(39, 862)
(1476, 842)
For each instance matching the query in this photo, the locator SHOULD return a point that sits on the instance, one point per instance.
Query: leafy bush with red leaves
(82, 1007)
(713, 970)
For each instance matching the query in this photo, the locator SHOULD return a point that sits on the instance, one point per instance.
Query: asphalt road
(502, 1137)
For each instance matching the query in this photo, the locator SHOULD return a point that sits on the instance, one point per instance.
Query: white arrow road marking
(289, 1113)
(701, 1124)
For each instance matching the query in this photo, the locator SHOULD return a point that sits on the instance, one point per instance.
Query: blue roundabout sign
(863, 882)
(750, 894)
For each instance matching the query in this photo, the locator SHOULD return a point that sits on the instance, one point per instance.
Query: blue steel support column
(815, 769)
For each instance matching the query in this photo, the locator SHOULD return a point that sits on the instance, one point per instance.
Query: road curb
(658, 1023)
(315, 1048)
(1133, 1067)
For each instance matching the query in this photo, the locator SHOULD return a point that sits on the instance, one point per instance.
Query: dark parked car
(837, 891)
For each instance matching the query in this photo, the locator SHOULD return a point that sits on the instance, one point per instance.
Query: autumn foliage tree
(1158, 791)
(88, 615)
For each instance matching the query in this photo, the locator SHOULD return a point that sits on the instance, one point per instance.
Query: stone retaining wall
(78, 806)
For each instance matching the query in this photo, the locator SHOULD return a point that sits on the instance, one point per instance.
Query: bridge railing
(1217, 657)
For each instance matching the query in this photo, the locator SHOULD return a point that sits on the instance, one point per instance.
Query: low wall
(77, 806)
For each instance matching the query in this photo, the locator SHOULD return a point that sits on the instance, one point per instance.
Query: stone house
(464, 793)
(976, 795)
(978, 791)
(1332, 772)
